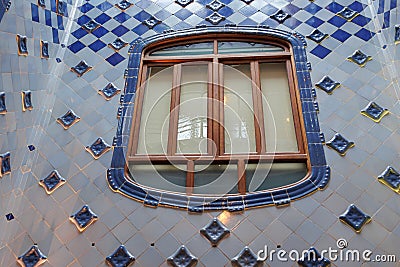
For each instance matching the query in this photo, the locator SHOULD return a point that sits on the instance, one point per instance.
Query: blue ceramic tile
(381, 6)
(292, 23)
(115, 59)
(182, 258)
(317, 36)
(42, 3)
(226, 11)
(122, 17)
(47, 17)
(269, 10)
(104, 6)
(142, 16)
(86, 7)
(32, 257)
(123, 5)
(83, 218)
(341, 35)
(337, 21)
(248, 10)
(79, 33)
(103, 18)
(291, 9)
(215, 5)
(203, 12)
(246, 258)
(3, 108)
(313, 258)
(139, 30)
(386, 20)
(314, 22)
(100, 32)
(361, 20)
(60, 22)
(214, 231)
(35, 12)
(163, 14)
(393, 4)
(183, 3)
(97, 45)
(347, 13)
(76, 47)
(53, 5)
(320, 51)
(215, 18)
(10, 217)
(357, 6)
(121, 257)
(280, 16)
(312, 8)
(397, 34)
(183, 14)
(364, 34)
(56, 39)
(355, 218)
(83, 20)
(334, 7)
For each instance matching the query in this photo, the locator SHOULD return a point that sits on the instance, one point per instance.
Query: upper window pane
(154, 121)
(192, 120)
(245, 47)
(280, 133)
(205, 48)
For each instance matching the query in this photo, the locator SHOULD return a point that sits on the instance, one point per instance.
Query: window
(217, 116)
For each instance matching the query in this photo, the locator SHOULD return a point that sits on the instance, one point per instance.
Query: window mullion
(174, 110)
(257, 107)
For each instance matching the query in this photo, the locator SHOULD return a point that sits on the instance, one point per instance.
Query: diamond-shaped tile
(182, 258)
(247, 1)
(123, 5)
(61, 8)
(68, 119)
(397, 34)
(120, 258)
(340, 144)
(5, 164)
(246, 258)
(32, 258)
(391, 178)
(26, 100)
(86, 7)
(98, 148)
(317, 36)
(280, 16)
(327, 84)
(10, 217)
(109, 91)
(355, 218)
(97, 45)
(118, 44)
(90, 26)
(374, 112)
(22, 45)
(81, 68)
(347, 13)
(359, 58)
(151, 22)
(183, 2)
(44, 49)
(115, 59)
(312, 258)
(215, 5)
(41, 3)
(52, 182)
(83, 218)
(215, 231)
(215, 18)
(3, 107)
(320, 51)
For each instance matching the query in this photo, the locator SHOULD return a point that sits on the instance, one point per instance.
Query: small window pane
(215, 179)
(186, 50)
(264, 176)
(238, 110)
(244, 47)
(154, 122)
(278, 118)
(164, 177)
(192, 121)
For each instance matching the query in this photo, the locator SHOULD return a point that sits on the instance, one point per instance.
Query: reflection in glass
(154, 122)
(246, 47)
(186, 50)
(215, 179)
(238, 110)
(192, 121)
(277, 108)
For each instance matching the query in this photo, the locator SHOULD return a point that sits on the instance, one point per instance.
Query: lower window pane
(238, 110)
(215, 179)
(264, 176)
(164, 177)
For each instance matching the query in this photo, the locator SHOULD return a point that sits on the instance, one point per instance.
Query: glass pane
(185, 50)
(238, 110)
(245, 47)
(154, 122)
(164, 177)
(265, 176)
(192, 122)
(278, 118)
(215, 179)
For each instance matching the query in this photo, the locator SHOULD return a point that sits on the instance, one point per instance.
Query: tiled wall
(152, 235)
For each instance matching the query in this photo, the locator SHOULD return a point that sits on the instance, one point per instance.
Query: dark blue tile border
(320, 172)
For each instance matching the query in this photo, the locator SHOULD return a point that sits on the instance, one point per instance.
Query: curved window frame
(310, 138)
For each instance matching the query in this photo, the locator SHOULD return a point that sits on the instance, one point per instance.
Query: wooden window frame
(215, 91)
